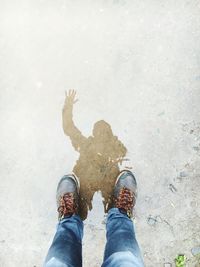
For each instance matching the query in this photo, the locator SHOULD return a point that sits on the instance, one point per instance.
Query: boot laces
(67, 205)
(125, 201)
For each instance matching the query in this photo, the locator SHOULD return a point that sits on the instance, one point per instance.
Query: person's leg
(66, 248)
(122, 249)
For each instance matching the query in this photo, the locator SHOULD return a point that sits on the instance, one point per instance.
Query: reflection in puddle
(100, 154)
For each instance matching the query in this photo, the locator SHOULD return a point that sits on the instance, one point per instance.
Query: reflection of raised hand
(70, 99)
(68, 107)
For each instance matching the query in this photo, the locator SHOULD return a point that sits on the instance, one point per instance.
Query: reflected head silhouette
(102, 130)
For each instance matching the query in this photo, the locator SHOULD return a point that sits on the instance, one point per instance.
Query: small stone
(196, 148)
(183, 174)
(167, 264)
(161, 113)
(151, 220)
(195, 251)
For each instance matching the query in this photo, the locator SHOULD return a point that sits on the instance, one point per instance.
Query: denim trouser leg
(66, 248)
(122, 249)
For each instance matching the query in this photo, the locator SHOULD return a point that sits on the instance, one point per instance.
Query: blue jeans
(121, 248)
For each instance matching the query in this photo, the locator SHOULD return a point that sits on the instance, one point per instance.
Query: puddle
(99, 156)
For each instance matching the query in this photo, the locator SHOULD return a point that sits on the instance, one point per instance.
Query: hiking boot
(67, 196)
(125, 192)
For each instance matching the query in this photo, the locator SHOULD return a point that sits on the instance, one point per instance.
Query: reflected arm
(69, 127)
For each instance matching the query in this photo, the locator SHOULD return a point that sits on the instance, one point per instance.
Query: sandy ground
(134, 64)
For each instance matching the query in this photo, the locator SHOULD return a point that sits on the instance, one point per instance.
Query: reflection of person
(121, 248)
(100, 154)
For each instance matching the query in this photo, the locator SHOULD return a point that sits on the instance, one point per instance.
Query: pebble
(183, 174)
(168, 264)
(195, 251)
(151, 220)
(161, 113)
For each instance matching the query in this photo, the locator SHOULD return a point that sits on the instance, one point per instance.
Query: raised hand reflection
(100, 154)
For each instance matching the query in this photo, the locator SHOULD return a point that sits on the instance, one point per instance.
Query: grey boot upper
(125, 192)
(67, 196)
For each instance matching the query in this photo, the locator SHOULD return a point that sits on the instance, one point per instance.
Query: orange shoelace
(67, 206)
(125, 201)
